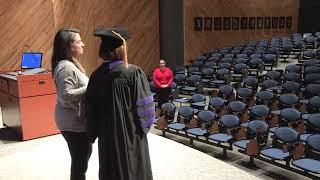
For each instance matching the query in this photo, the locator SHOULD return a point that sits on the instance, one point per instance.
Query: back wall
(35, 22)
(211, 24)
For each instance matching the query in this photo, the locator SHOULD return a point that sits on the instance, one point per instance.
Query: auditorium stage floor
(48, 159)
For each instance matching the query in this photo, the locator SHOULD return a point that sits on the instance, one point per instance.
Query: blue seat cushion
(242, 144)
(218, 81)
(303, 137)
(307, 164)
(182, 100)
(189, 88)
(220, 137)
(197, 131)
(176, 126)
(244, 125)
(272, 129)
(275, 153)
(199, 104)
(305, 116)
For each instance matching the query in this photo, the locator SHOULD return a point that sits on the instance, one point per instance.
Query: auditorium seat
(185, 114)
(205, 120)
(256, 137)
(309, 163)
(166, 115)
(230, 125)
(218, 106)
(283, 138)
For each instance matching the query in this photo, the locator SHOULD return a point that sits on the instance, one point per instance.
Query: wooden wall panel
(25, 22)
(198, 42)
(79, 14)
(141, 17)
(34, 22)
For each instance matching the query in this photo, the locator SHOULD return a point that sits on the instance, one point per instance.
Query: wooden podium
(27, 103)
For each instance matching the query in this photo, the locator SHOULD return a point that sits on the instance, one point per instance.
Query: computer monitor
(31, 60)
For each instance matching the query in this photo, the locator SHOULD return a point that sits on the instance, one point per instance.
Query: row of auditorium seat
(246, 106)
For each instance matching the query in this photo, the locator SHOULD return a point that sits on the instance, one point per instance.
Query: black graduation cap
(110, 38)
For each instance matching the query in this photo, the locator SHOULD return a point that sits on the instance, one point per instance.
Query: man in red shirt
(163, 77)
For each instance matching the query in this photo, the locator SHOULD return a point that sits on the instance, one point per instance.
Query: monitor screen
(31, 60)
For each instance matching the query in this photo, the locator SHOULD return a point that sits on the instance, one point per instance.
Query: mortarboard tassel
(125, 48)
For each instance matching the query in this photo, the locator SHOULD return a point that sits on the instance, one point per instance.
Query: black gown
(119, 109)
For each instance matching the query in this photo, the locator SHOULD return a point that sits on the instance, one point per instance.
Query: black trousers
(80, 150)
(163, 95)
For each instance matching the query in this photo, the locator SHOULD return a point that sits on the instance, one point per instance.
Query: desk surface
(9, 76)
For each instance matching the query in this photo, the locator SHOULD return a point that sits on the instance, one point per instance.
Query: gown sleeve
(143, 100)
(90, 103)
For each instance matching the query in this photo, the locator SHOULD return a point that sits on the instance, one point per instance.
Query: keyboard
(34, 71)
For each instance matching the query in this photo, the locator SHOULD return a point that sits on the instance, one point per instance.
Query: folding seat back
(185, 114)
(259, 112)
(217, 105)
(228, 55)
(205, 120)
(314, 105)
(179, 79)
(314, 123)
(314, 142)
(207, 73)
(274, 75)
(288, 138)
(226, 92)
(245, 95)
(291, 87)
(312, 78)
(293, 118)
(166, 116)
(242, 56)
(292, 76)
(179, 70)
(259, 130)
(251, 82)
(197, 63)
(312, 90)
(239, 109)
(240, 60)
(210, 64)
(288, 101)
(293, 68)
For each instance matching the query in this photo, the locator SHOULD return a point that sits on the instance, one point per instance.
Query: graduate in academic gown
(119, 109)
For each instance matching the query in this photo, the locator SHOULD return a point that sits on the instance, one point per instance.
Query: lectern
(27, 102)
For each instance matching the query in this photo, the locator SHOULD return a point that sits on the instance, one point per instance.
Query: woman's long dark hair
(62, 48)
